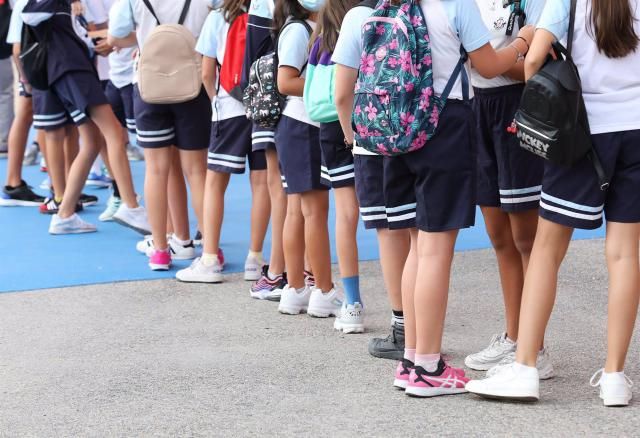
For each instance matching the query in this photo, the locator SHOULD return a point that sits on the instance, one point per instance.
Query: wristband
(525, 41)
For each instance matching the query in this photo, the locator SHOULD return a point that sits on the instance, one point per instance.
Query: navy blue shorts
(571, 196)
(121, 100)
(369, 181)
(442, 175)
(337, 160)
(186, 125)
(49, 113)
(22, 91)
(262, 138)
(298, 147)
(508, 176)
(230, 146)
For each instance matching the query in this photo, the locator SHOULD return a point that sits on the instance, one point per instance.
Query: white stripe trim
(263, 140)
(75, 113)
(374, 217)
(228, 157)
(402, 208)
(154, 139)
(152, 133)
(520, 200)
(50, 123)
(263, 134)
(49, 116)
(401, 218)
(227, 164)
(562, 211)
(572, 204)
(521, 191)
(343, 177)
(372, 209)
(79, 117)
(341, 169)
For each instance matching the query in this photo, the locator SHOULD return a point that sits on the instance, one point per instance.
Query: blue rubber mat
(30, 258)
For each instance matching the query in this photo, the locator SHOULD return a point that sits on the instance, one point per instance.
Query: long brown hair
(612, 27)
(283, 10)
(232, 9)
(330, 22)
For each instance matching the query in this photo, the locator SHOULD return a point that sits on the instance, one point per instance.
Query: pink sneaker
(160, 260)
(403, 370)
(443, 381)
(221, 258)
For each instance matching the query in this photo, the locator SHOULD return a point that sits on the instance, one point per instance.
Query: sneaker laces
(597, 378)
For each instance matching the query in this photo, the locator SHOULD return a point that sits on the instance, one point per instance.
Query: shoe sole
(132, 227)
(616, 403)
(433, 392)
(89, 204)
(17, 203)
(57, 233)
(292, 310)
(201, 281)
(400, 384)
(252, 276)
(348, 329)
(156, 267)
(98, 185)
(505, 396)
(319, 313)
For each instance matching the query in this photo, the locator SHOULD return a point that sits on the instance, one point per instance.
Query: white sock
(181, 242)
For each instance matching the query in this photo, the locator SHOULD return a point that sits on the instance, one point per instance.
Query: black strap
(368, 4)
(603, 180)
(572, 24)
(517, 13)
(306, 26)
(459, 71)
(183, 14)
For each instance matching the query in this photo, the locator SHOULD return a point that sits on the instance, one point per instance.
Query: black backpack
(33, 56)
(5, 21)
(552, 119)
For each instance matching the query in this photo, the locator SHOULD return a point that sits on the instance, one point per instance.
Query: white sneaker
(145, 246)
(198, 272)
(292, 302)
(253, 268)
(113, 204)
(177, 250)
(323, 305)
(615, 388)
(71, 225)
(351, 319)
(31, 153)
(134, 153)
(499, 347)
(513, 382)
(134, 218)
(45, 184)
(543, 363)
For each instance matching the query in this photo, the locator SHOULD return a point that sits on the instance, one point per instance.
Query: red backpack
(231, 69)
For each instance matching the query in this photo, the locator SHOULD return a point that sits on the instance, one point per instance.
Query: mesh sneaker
(50, 206)
(21, 196)
(198, 272)
(351, 319)
(499, 347)
(323, 305)
(71, 225)
(87, 200)
(543, 363)
(198, 238)
(309, 280)
(443, 381)
(512, 382)
(98, 180)
(267, 289)
(31, 154)
(253, 268)
(391, 347)
(113, 204)
(160, 260)
(615, 388)
(134, 218)
(403, 371)
(134, 153)
(292, 302)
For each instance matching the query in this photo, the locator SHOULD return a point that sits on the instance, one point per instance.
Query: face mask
(216, 4)
(312, 5)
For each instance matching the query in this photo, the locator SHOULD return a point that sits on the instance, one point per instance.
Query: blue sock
(352, 289)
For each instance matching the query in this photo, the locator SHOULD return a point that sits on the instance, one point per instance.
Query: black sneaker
(50, 206)
(197, 241)
(391, 347)
(21, 196)
(87, 200)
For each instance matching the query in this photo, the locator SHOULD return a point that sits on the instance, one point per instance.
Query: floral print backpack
(396, 110)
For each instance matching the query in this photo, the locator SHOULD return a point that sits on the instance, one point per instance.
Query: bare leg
(178, 220)
(394, 250)
(216, 186)
(408, 292)
(315, 209)
(293, 242)
(347, 212)
(194, 167)
(18, 136)
(279, 212)
(56, 162)
(260, 209)
(71, 148)
(158, 164)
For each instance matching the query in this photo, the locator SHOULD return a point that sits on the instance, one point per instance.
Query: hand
(527, 33)
(102, 47)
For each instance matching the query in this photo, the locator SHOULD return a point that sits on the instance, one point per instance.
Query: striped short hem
(569, 213)
(340, 177)
(50, 121)
(226, 163)
(131, 125)
(374, 217)
(401, 217)
(284, 182)
(262, 140)
(520, 199)
(158, 138)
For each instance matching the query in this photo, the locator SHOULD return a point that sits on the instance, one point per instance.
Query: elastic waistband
(506, 89)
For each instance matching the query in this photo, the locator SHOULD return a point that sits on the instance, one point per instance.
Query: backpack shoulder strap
(572, 24)
(368, 4)
(153, 12)
(185, 11)
(459, 71)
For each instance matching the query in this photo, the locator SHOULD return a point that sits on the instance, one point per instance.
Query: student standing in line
(298, 145)
(369, 180)
(78, 96)
(230, 147)
(509, 179)
(17, 192)
(606, 45)
(163, 127)
(442, 174)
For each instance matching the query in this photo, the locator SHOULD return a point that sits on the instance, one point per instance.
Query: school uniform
(443, 173)
(230, 144)
(297, 136)
(508, 176)
(571, 196)
(73, 84)
(14, 36)
(371, 170)
(184, 125)
(259, 43)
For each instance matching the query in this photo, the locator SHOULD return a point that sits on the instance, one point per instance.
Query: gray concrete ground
(169, 359)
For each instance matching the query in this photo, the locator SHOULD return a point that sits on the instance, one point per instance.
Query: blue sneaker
(98, 181)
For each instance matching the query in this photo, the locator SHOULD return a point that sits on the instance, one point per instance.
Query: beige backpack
(169, 68)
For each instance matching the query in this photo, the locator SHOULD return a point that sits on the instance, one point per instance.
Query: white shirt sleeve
(293, 46)
(15, 27)
(555, 18)
(207, 41)
(121, 20)
(472, 31)
(349, 46)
